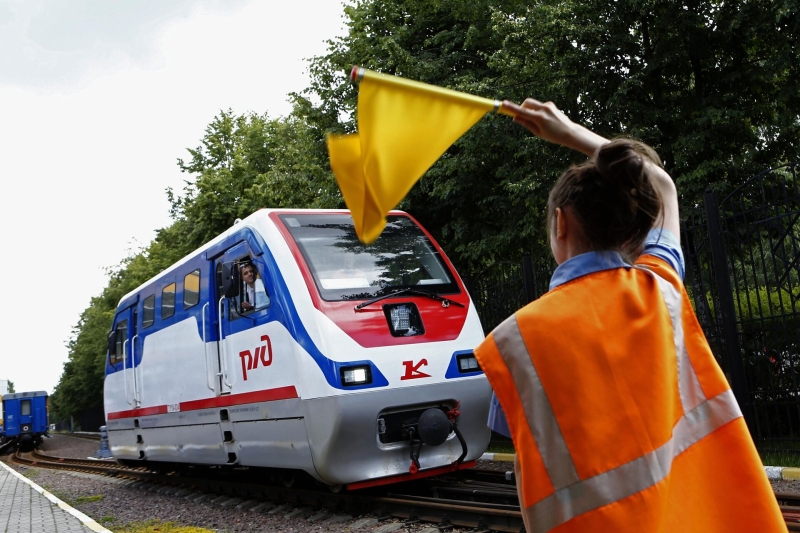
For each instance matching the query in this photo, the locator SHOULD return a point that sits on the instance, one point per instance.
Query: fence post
(734, 357)
(528, 279)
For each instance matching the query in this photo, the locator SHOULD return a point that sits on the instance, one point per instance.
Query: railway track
(423, 501)
(36, 459)
(84, 435)
(6, 447)
(483, 500)
(790, 508)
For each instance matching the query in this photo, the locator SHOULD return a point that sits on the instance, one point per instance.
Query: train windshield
(344, 268)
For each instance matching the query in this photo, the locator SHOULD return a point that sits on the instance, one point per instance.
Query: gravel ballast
(115, 503)
(124, 502)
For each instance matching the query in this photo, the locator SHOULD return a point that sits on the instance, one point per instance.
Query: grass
(87, 499)
(157, 526)
(788, 458)
(499, 445)
(780, 459)
(61, 495)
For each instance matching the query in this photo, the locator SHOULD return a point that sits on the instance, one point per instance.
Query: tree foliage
(243, 163)
(711, 85)
(81, 383)
(248, 162)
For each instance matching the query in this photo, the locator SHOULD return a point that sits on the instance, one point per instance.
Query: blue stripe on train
(281, 309)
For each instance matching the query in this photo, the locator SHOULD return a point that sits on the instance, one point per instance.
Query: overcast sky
(98, 99)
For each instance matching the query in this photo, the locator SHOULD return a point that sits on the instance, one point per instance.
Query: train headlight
(356, 375)
(403, 320)
(468, 363)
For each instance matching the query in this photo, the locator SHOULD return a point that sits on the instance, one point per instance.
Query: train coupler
(432, 428)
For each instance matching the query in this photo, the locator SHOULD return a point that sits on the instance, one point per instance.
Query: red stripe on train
(144, 411)
(408, 477)
(268, 395)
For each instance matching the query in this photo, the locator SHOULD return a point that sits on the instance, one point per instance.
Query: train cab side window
(168, 301)
(119, 348)
(253, 295)
(191, 289)
(149, 311)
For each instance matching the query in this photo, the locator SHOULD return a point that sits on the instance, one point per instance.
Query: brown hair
(612, 196)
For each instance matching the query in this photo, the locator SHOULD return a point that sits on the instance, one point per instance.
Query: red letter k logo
(412, 370)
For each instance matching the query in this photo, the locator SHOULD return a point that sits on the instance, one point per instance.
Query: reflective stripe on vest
(688, 385)
(573, 496)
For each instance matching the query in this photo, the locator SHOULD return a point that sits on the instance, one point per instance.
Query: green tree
(81, 384)
(11, 387)
(243, 163)
(444, 43)
(248, 162)
(710, 85)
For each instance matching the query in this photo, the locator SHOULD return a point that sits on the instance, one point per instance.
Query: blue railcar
(25, 418)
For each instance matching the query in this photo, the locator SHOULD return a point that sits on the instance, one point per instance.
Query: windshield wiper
(432, 295)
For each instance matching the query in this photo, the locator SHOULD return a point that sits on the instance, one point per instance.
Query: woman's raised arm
(549, 123)
(546, 121)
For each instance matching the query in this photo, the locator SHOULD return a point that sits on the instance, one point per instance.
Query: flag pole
(357, 74)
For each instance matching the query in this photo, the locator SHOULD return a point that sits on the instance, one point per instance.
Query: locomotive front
(398, 392)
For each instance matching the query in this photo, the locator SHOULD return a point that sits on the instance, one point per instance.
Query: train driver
(253, 294)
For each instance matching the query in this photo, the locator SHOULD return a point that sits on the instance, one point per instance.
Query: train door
(210, 334)
(224, 268)
(236, 307)
(125, 349)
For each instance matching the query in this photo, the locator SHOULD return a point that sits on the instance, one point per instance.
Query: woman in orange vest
(620, 416)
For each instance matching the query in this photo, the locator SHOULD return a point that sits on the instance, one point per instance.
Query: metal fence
(503, 288)
(742, 272)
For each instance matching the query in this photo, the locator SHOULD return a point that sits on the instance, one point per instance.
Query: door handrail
(222, 350)
(125, 369)
(205, 346)
(136, 396)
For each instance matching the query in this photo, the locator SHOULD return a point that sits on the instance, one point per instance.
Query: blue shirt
(660, 243)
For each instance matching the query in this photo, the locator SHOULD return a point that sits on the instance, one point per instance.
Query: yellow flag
(403, 128)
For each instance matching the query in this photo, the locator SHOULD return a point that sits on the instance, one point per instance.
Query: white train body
(317, 376)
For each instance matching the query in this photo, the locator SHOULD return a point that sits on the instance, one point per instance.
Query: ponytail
(612, 196)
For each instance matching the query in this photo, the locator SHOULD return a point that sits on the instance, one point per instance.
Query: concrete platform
(25, 507)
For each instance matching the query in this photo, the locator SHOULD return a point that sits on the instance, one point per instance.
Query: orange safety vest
(621, 418)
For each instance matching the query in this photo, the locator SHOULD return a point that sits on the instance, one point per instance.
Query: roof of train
(18, 395)
(258, 215)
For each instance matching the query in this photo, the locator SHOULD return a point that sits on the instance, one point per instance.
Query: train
(287, 344)
(25, 420)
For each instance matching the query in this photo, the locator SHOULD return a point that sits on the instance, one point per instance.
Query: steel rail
(58, 463)
(411, 508)
(85, 436)
(43, 458)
